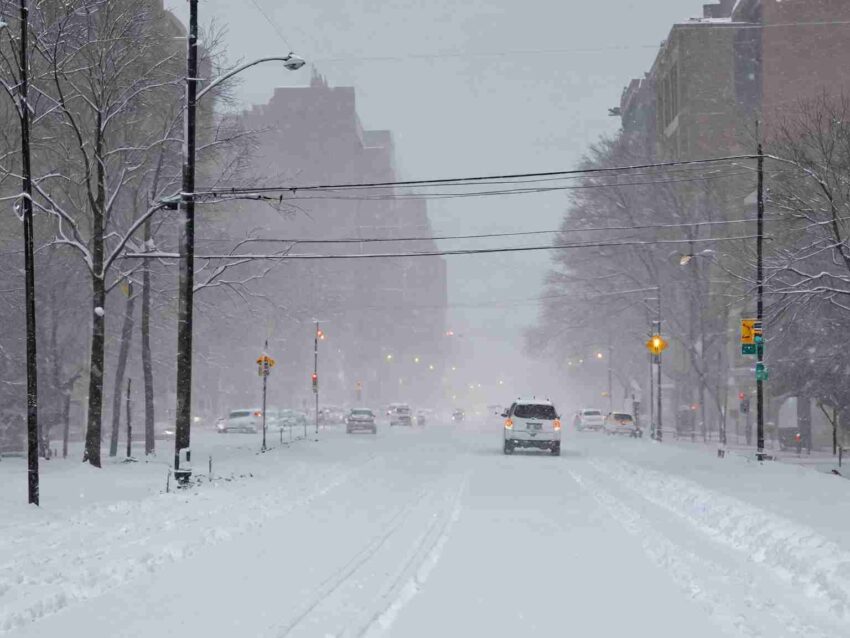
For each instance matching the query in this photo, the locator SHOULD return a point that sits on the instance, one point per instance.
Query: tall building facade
(383, 318)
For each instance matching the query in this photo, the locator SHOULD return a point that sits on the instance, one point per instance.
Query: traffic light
(315, 378)
(656, 342)
(320, 334)
(745, 405)
(741, 396)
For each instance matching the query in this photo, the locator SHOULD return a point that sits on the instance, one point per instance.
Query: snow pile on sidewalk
(52, 559)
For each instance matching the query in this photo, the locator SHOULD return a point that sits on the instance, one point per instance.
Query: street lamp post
(187, 238)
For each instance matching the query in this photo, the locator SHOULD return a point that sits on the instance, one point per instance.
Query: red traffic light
(315, 377)
(741, 396)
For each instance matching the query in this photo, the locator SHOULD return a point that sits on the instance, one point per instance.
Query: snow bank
(796, 552)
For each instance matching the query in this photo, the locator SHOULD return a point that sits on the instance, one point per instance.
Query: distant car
(422, 416)
(622, 423)
(286, 418)
(589, 419)
(458, 415)
(163, 430)
(246, 421)
(360, 419)
(400, 414)
(532, 423)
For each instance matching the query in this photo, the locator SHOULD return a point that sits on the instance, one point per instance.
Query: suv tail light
(509, 424)
(258, 413)
(556, 424)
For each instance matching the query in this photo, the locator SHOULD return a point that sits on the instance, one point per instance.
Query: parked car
(400, 414)
(622, 423)
(532, 423)
(244, 420)
(360, 419)
(790, 438)
(589, 419)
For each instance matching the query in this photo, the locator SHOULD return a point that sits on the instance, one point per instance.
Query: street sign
(656, 344)
(748, 348)
(748, 331)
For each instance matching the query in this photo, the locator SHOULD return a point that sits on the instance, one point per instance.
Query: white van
(531, 423)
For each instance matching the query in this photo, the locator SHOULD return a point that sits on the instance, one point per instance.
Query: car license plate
(534, 426)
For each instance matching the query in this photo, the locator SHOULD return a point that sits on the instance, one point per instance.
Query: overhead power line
(468, 180)
(438, 253)
(564, 231)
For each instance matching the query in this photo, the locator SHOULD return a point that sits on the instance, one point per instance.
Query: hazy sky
(468, 88)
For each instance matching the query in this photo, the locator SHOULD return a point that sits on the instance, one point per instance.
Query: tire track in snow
(342, 575)
(416, 571)
(704, 581)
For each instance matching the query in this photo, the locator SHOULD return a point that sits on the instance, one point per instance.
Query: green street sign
(748, 348)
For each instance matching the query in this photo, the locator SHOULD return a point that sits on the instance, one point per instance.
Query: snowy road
(428, 532)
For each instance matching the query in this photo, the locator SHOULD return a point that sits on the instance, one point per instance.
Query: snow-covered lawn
(427, 532)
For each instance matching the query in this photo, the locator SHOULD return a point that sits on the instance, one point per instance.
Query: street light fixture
(187, 237)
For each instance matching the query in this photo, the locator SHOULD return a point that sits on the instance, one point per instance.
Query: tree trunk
(98, 205)
(66, 419)
(120, 369)
(147, 363)
(95, 404)
(55, 376)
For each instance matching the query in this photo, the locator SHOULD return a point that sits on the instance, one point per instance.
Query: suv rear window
(620, 416)
(362, 412)
(591, 413)
(237, 413)
(533, 411)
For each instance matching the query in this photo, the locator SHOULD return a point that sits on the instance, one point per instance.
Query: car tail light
(556, 424)
(258, 413)
(509, 424)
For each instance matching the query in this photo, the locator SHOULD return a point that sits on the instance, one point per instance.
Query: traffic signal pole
(760, 305)
(316, 374)
(265, 372)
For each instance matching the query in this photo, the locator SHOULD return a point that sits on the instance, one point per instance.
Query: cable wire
(471, 179)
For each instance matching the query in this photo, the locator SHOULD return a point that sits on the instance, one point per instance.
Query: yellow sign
(266, 360)
(656, 344)
(748, 331)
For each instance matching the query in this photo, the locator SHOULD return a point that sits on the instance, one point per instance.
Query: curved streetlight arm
(238, 70)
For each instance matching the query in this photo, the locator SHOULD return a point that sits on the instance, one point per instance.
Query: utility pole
(316, 374)
(760, 301)
(129, 423)
(29, 263)
(182, 438)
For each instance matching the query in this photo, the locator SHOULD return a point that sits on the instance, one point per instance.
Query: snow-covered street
(429, 531)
